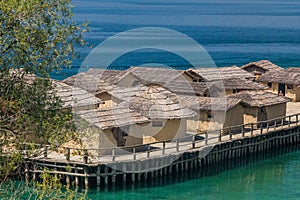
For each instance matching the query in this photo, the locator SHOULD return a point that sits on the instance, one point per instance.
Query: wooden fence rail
(170, 146)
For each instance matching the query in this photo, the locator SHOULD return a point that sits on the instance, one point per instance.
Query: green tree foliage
(49, 188)
(36, 37)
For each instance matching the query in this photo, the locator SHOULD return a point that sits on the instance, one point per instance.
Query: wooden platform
(114, 166)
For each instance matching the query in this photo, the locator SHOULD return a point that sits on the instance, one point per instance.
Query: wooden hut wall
(128, 80)
(207, 120)
(204, 121)
(109, 101)
(250, 115)
(275, 111)
(234, 116)
(97, 138)
(161, 129)
(293, 92)
(256, 114)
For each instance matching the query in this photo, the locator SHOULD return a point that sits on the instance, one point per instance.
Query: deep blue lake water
(232, 32)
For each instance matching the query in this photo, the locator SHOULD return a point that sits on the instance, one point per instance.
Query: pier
(111, 166)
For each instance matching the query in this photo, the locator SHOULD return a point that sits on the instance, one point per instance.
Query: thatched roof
(73, 96)
(124, 94)
(154, 75)
(289, 76)
(242, 84)
(159, 103)
(266, 65)
(118, 116)
(213, 88)
(109, 76)
(259, 98)
(213, 74)
(295, 70)
(208, 103)
(29, 78)
(193, 88)
(89, 82)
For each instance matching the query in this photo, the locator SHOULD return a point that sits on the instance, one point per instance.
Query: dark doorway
(281, 87)
(120, 135)
(262, 114)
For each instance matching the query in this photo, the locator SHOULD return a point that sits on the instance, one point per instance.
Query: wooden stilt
(124, 173)
(133, 172)
(26, 172)
(34, 172)
(98, 176)
(76, 177)
(86, 178)
(106, 175)
(139, 172)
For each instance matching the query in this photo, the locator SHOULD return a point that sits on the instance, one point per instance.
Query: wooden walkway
(107, 166)
(176, 146)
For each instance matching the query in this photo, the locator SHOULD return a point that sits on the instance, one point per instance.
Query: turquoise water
(274, 178)
(233, 32)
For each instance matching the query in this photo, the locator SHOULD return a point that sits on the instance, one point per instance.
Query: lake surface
(275, 178)
(233, 32)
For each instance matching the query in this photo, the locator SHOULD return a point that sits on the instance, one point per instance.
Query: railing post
(177, 145)
(289, 121)
(26, 151)
(261, 128)
(85, 157)
(45, 151)
(113, 153)
(68, 154)
(164, 147)
(282, 121)
(148, 151)
(252, 127)
(194, 141)
(243, 132)
(267, 126)
(230, 134)
(134, 153)
(0, 146)
(220, 135)
(275, 124)
(297, 118)
(206, 138)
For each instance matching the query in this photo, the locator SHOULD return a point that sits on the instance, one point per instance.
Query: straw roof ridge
(117, 116)
(263, 64)
(159, 103)
(259, 98)
(124, 94)
(288, 76)
(242, 84)
(73, 96)
(192, 88)
(153, 75)
(214, 74)
(109, 76)
(208, 103)
(90, 82)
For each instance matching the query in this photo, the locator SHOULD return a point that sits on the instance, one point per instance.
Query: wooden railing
(95, 155)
